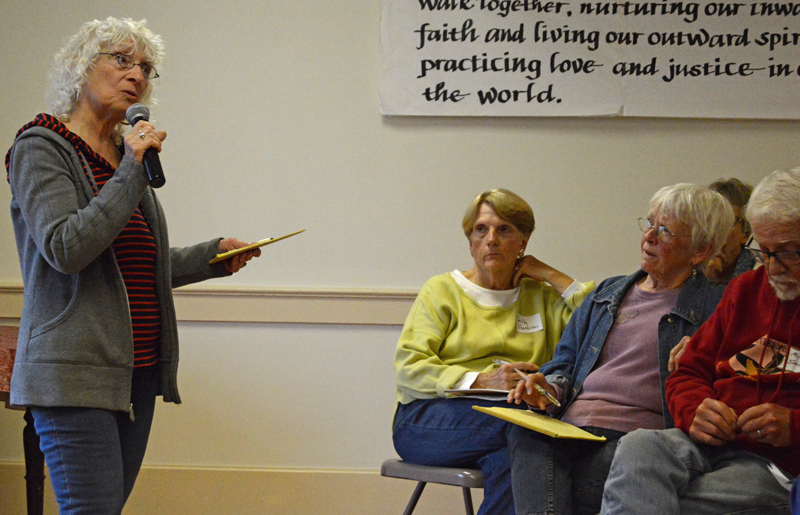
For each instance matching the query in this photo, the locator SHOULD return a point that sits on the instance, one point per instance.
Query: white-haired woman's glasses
(662, 233)
(126, 62)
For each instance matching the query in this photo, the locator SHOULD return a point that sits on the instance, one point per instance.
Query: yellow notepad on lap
(540, 423)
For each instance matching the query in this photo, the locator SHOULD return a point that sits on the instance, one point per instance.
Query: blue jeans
(94, 455)
(449, 433)
(796, 497)
(559, 476)
(666, 472)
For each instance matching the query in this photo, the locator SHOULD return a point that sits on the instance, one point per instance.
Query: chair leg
(412, 503)
(468, 501)
(34, 467)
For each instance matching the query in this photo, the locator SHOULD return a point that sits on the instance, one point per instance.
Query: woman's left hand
(504, 377)
(529, 266)
(238, 261)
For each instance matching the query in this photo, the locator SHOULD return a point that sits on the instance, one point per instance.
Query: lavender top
(623, 392)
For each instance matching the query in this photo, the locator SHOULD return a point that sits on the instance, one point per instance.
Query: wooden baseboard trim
(269, 305)
(205, 490)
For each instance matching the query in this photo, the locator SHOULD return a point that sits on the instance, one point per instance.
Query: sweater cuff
(466, 381)
(574, 288)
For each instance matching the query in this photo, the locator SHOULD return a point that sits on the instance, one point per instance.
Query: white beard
(785, 289)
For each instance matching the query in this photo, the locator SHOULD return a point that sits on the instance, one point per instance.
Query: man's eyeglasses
(786, 258)
(662, 232)
(126, 62)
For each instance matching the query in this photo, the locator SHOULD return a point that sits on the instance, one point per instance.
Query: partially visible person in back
(732, 259)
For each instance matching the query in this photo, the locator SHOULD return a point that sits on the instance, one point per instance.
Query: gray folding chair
(423, 474)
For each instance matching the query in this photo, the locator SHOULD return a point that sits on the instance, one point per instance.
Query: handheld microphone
(152, 164)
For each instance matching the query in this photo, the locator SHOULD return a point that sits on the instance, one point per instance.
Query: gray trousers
(666, 472)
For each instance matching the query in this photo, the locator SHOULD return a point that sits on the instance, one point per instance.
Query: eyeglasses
(662, 232)
(786, 258)
(126, 62)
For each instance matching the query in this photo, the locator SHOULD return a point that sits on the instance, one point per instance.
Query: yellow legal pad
(231, 253)
(540, 423)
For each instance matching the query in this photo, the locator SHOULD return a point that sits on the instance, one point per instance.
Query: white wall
(272, 115)
(282, 395)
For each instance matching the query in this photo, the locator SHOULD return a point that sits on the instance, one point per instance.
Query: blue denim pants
(666, 472)
(449, 433)
(555, 476)
(94, 455)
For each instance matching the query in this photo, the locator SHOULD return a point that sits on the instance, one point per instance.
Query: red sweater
(715, 366)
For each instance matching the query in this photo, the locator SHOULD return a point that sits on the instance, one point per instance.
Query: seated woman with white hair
(608, 370)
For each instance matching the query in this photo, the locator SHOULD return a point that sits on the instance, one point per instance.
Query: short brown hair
(737, 193)
(508, 205)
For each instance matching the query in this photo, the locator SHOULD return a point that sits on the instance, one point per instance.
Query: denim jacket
(577, 352)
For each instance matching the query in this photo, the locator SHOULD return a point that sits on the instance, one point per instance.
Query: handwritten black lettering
(721, 9)
(688, 9)
(498, 35)
(577, 65)
(780, 70)
(530, 67)
(504, 7)
(623, 38)
(445, 5)
(635, 69)
(715, 69)
(774, 9)
(503, 96)
(701, 38)
(445, 34)
(776, 39)
(543, 34)
(441, 94)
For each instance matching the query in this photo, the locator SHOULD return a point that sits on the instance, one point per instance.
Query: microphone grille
(137, 112)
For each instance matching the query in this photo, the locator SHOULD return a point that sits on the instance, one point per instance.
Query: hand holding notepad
(229, 254)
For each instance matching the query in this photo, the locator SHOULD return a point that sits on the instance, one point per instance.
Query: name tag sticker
(769, 360)
(529, 324)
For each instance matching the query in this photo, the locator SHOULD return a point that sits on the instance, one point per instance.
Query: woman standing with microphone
(98, 333)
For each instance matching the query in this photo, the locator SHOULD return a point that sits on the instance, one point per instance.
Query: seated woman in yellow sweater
(508, 308)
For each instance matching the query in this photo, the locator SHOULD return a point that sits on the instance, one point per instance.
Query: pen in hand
(501, 362)
(539, 389)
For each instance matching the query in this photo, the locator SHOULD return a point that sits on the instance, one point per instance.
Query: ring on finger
(758, 432)
(141, 135)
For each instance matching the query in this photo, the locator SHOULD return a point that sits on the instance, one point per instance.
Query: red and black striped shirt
(135, 250)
